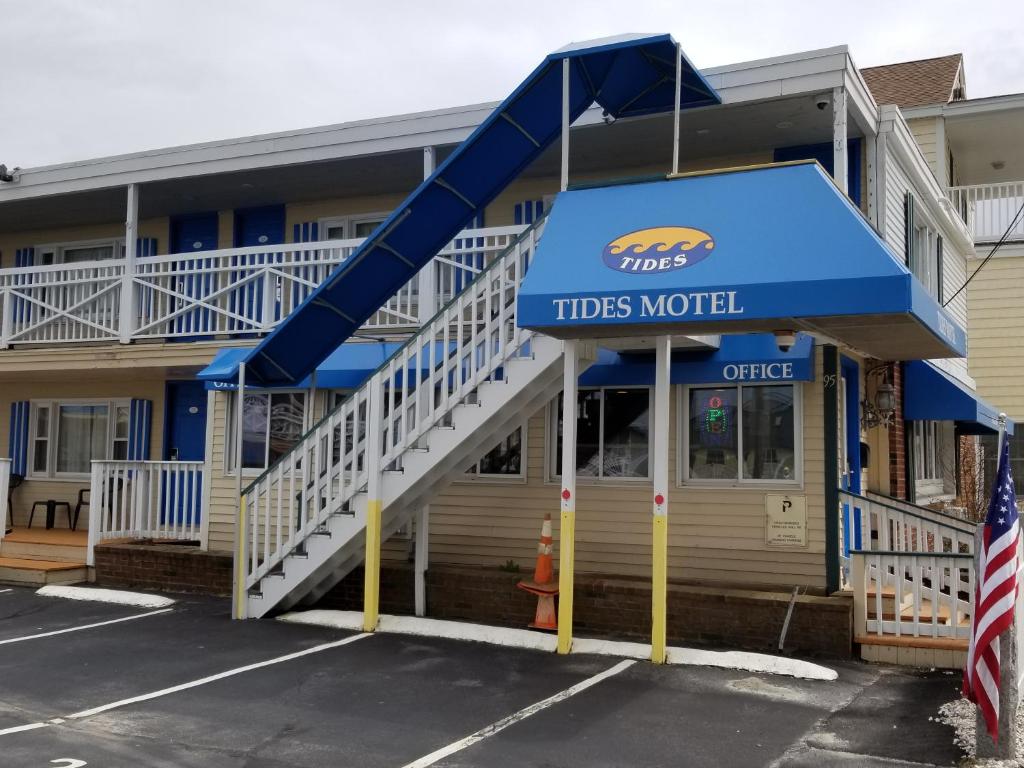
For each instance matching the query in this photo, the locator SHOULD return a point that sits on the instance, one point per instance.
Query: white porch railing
(5, 481)
(463, 345)
(237, 291)
(988, 209)
(146, 500)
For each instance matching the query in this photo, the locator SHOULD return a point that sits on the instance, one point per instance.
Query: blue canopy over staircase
(627, 76)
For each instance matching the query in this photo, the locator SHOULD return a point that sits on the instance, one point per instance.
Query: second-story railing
(231, 292)
(989, 209)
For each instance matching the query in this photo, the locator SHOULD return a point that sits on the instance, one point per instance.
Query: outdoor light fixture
(880, 411)
(5, 176)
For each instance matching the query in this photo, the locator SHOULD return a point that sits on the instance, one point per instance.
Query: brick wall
(606, 607)
(164, 567)
(897, 441)
(620, 608)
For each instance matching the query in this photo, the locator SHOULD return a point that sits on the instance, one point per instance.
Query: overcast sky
(85, 78)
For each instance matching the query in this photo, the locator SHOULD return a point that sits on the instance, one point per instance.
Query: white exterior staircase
(456, 389)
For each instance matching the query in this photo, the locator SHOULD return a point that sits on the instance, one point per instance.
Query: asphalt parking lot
(93, 684)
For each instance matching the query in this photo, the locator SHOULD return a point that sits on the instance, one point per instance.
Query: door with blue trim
(184, 440)
(256, 227)
(190, 234)
(825, 156)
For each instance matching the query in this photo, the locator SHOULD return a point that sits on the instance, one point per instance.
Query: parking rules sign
(785, 520)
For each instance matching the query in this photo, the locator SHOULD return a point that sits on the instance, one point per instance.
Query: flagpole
(1009, 695)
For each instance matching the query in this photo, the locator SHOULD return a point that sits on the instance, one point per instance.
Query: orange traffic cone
(543, 584)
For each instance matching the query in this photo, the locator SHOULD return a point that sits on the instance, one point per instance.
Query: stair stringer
(528, 383)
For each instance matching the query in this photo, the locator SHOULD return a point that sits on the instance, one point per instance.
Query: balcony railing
(989, 209)
(209, 294)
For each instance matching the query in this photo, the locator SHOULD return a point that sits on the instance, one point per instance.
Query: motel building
(710, 320)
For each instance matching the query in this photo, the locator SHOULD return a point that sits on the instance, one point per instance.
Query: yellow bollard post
(567, 529)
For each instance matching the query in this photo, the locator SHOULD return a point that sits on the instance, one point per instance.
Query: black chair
(13, 482)
(87, 502)
(82, 502)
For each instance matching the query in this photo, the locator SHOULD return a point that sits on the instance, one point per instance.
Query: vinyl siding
(924, 130)
(996, 353)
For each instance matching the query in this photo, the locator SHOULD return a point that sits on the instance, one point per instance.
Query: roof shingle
(914, 83)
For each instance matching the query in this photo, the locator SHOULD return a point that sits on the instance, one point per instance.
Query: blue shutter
(528, 211)
(306, 232)
(24, 257)
(140, 418)
(145, 246)
(17, 441)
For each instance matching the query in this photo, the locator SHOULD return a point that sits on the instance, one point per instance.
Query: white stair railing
(145, 500)
(988, 209)
(882, 523)
(921, 594)
(464, 345)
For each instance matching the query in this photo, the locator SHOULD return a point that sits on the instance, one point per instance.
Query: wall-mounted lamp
(879, 411)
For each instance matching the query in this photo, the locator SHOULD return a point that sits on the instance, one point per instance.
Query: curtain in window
(81, 437)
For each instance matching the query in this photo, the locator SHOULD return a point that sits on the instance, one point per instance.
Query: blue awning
(931, 394)
(764, 249)
(627, 76)
(740, 358)
(347, 367)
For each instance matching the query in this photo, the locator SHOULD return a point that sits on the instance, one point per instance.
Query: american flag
(994, 596)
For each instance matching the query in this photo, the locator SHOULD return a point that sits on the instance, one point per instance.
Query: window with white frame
(928, 470)
(80, 251)
(68, 435)
(344, 227)
(745, 433)
(272, 424)
(503, 460)
(612, 433)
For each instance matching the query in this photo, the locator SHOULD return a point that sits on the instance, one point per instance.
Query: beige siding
(925, 133)
(145, 387)
(715, 534)
(996, 350)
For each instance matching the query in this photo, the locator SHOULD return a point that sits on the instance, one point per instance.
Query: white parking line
(184, 686)
(515, 717)
(5, 590)
(218, 676)
(84, 626)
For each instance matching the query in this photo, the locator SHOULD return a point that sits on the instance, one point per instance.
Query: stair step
(14, 570)
(908, 641)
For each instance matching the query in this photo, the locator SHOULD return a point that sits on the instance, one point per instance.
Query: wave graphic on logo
(658, 249)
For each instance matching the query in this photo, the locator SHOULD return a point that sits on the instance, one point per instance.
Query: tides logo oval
(658, 249)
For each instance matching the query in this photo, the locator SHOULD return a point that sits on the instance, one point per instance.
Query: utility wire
(996, 247)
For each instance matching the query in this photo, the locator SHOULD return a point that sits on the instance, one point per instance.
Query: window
(931, 457)
(503, 460)
(747, 433)
(343, 227)
(924, 260)
(77, 252)
(68, 436)
(612, 433)
(272, 424)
